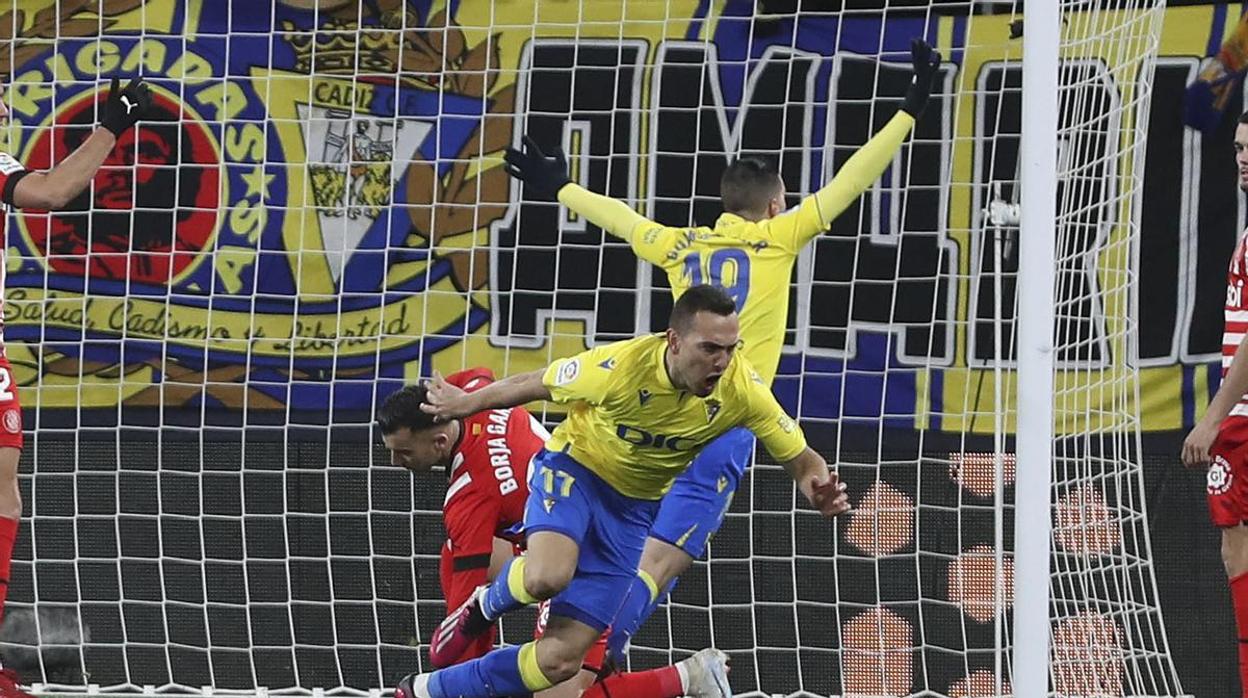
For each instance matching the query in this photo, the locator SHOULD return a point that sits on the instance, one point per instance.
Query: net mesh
(317, 216)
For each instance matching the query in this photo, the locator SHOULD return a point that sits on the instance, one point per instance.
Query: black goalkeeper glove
(926, 62)
(125, 106)
(544, 175)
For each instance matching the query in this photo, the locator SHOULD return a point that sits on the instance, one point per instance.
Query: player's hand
(445, 401)
(926, 61)
(125, 106)
(828, 495)
(1197, 444)
(541, 174)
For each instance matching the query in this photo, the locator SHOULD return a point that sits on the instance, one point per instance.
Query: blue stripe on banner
(695, 26)
(1187, 397)
(1215, 30)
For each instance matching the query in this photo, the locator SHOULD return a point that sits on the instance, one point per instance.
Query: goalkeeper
(50, 190)
(750, 252)
(640, 410)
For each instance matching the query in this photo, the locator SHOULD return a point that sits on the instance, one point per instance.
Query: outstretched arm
(449, 402)
(822, 487)
(548, 176)
(817, 211)
(55, 188)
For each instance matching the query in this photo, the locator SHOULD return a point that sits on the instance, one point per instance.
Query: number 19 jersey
(752, 261)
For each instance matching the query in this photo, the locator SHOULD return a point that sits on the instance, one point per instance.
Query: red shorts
(1226, 482)
(596, 655)
(10, 407)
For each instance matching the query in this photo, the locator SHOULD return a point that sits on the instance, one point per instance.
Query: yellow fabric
(530, 673)
(634, 429)
(515, 582)
(752, 260)
(650, 584)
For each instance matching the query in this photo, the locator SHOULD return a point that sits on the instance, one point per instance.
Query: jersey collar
(661, 379)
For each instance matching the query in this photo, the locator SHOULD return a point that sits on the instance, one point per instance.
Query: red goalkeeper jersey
(485, 497)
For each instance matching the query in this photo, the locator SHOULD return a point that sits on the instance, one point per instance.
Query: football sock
(664, 682)
(639, 604)
(8, 534)
(509, 671)
(507, 592)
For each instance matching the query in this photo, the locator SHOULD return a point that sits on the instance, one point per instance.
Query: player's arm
(1234, 386)
(816, 212)
(822, 486)
(470, 518)
(56, 187)
(447, 401)
(784, 440)
(548, 176)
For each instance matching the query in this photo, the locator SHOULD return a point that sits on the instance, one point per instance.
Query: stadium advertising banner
(317, 212)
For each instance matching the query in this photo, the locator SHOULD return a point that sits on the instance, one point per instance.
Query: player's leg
(555, 523)
(690, 514)
(613, 531)
(1228, 508)
(590, 665)
(704, 675)
(10, 498)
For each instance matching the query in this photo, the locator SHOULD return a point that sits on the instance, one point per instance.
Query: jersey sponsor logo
(1219, 476)
(8, 165)
(1235, 295)
(568, 372)
(712, 409)
(641, 437)
(786, 423)
(12, 421)
(643, 396)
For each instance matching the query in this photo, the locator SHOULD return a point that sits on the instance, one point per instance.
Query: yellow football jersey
(634, 429)
(752, 261)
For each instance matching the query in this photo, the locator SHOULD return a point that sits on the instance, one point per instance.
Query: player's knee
(560, 664)
(545, 581)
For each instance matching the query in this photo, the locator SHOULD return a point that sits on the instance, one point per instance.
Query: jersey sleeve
(11, 172)
(611, 215)
(796, 227)
(585, 377)
(780, 433)
(471, 379)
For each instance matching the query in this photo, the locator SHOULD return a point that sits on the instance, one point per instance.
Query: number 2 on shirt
(713, 271)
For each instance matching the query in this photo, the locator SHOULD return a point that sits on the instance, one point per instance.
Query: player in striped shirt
(1220, 439)
(50, 190)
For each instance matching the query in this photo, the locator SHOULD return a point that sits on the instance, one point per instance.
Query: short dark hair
(699, 299)
(748, 184)
(402, 410)
(1243, 118)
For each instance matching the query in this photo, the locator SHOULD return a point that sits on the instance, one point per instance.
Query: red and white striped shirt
(1236, 315)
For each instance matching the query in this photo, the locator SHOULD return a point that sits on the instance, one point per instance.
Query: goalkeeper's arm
(55, 188)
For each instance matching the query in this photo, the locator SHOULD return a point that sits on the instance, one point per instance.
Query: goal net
(317, 215)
